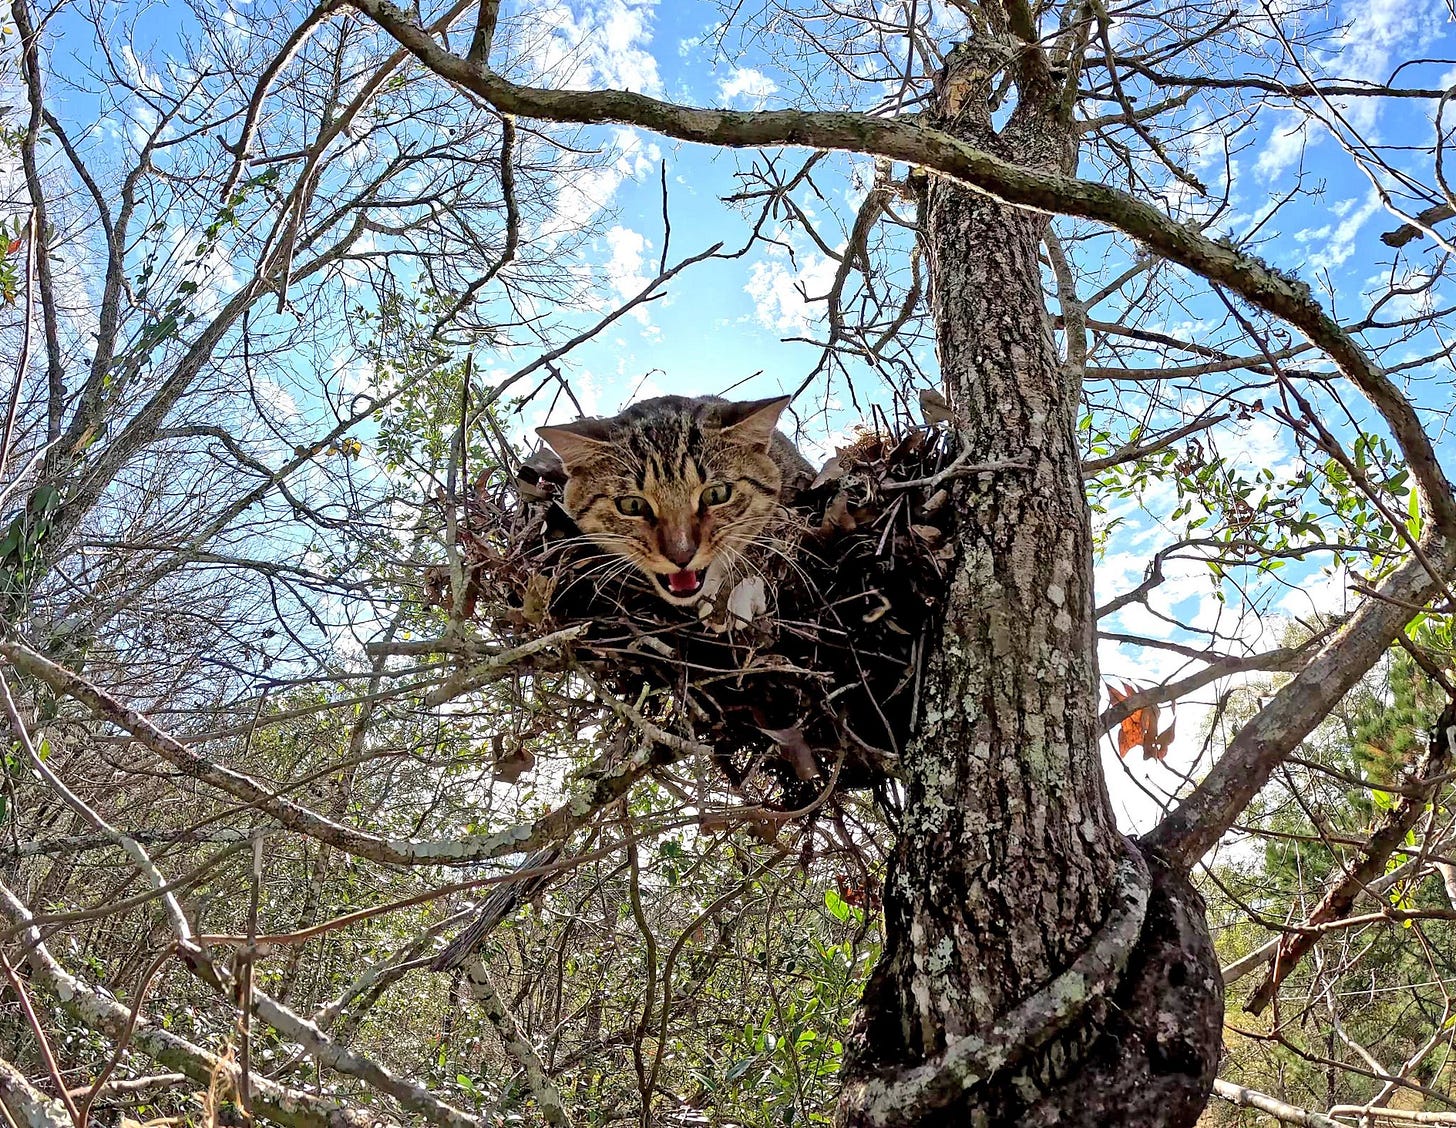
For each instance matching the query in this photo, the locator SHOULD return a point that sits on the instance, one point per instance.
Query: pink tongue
(684, 582)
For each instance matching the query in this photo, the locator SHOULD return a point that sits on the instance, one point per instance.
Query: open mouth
(681, 585)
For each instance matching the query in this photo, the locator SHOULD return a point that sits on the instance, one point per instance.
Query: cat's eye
(633, 506)
(717, 493)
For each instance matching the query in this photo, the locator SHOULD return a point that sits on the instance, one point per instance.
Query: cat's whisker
(601, 565)
(730, 565)
(781, 549)
(602, 575)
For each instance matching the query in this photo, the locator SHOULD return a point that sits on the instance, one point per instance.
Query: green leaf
(45, 499)
(12, 539)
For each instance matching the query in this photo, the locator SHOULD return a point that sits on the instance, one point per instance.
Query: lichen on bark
(1008, 848)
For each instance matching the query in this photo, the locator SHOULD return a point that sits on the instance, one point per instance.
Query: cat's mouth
(685, 584)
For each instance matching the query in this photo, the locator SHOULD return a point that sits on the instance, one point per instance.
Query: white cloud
(139, 72)
(1374, 34)
(1286, 145)
(1374, 30)
(748, 85)
(1260, 444)
(623, 61)
(1326, 594)
(593, 44)
(275, 396)
(624, 266)
(597, 44)
(781, 294)
(1342, 243)
(581, 193)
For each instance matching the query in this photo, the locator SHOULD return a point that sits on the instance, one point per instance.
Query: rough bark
(1007, 862)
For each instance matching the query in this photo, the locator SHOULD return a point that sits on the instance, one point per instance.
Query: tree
(233, 255)
(1000, 777)
(1038, 966)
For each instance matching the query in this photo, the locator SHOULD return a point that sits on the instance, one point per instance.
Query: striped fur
(680, 486)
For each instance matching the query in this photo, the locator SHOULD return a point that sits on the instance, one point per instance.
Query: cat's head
(677, 485)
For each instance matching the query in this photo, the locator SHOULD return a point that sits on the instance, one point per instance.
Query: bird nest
(801, 677)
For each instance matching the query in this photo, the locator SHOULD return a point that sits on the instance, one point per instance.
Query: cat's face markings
(677, 486)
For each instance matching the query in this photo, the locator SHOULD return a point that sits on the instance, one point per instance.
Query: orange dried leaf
(1140, 727)
(513, 761)
(1134, 731)
(1156, 748)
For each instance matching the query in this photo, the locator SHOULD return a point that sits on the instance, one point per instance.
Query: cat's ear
(752, 422)
(579, 442)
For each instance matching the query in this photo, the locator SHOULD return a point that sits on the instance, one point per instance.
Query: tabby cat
(679, 485)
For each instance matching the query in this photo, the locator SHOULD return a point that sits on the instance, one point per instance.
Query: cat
(680, 486)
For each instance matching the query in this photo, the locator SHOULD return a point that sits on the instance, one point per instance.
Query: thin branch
(938, 151)
(50, 316)
(538, 1080)
(485, 21)
(1279, 1110)
(554, 826)
(25, 1106)
(1389, 833)
(292, 1108)
(1200, 819)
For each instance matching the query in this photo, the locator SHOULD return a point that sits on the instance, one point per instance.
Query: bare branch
(899, 139)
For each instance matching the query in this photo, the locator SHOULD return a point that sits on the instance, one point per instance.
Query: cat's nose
(679, 546)
(681, 554)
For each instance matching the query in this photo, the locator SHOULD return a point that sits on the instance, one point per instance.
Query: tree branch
(1284, 1113)
(902, 140)
(285, 1106)
(1202, 817)
(26, 1105)
(1388, 834)
(50, 318)
(554, 826)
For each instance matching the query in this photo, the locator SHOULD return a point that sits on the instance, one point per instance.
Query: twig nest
(803, 672)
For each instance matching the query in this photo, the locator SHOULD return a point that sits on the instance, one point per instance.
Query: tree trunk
(1009, 864)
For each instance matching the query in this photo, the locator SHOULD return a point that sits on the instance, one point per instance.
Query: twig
(962, 467)
(1279, 1110)
(22, 359)
(18, 1097)
(124, 1038)
(50, 315)
(514, 1042)
(131, 846)
(494, 665)
(290, 1107)
(47, 1054)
